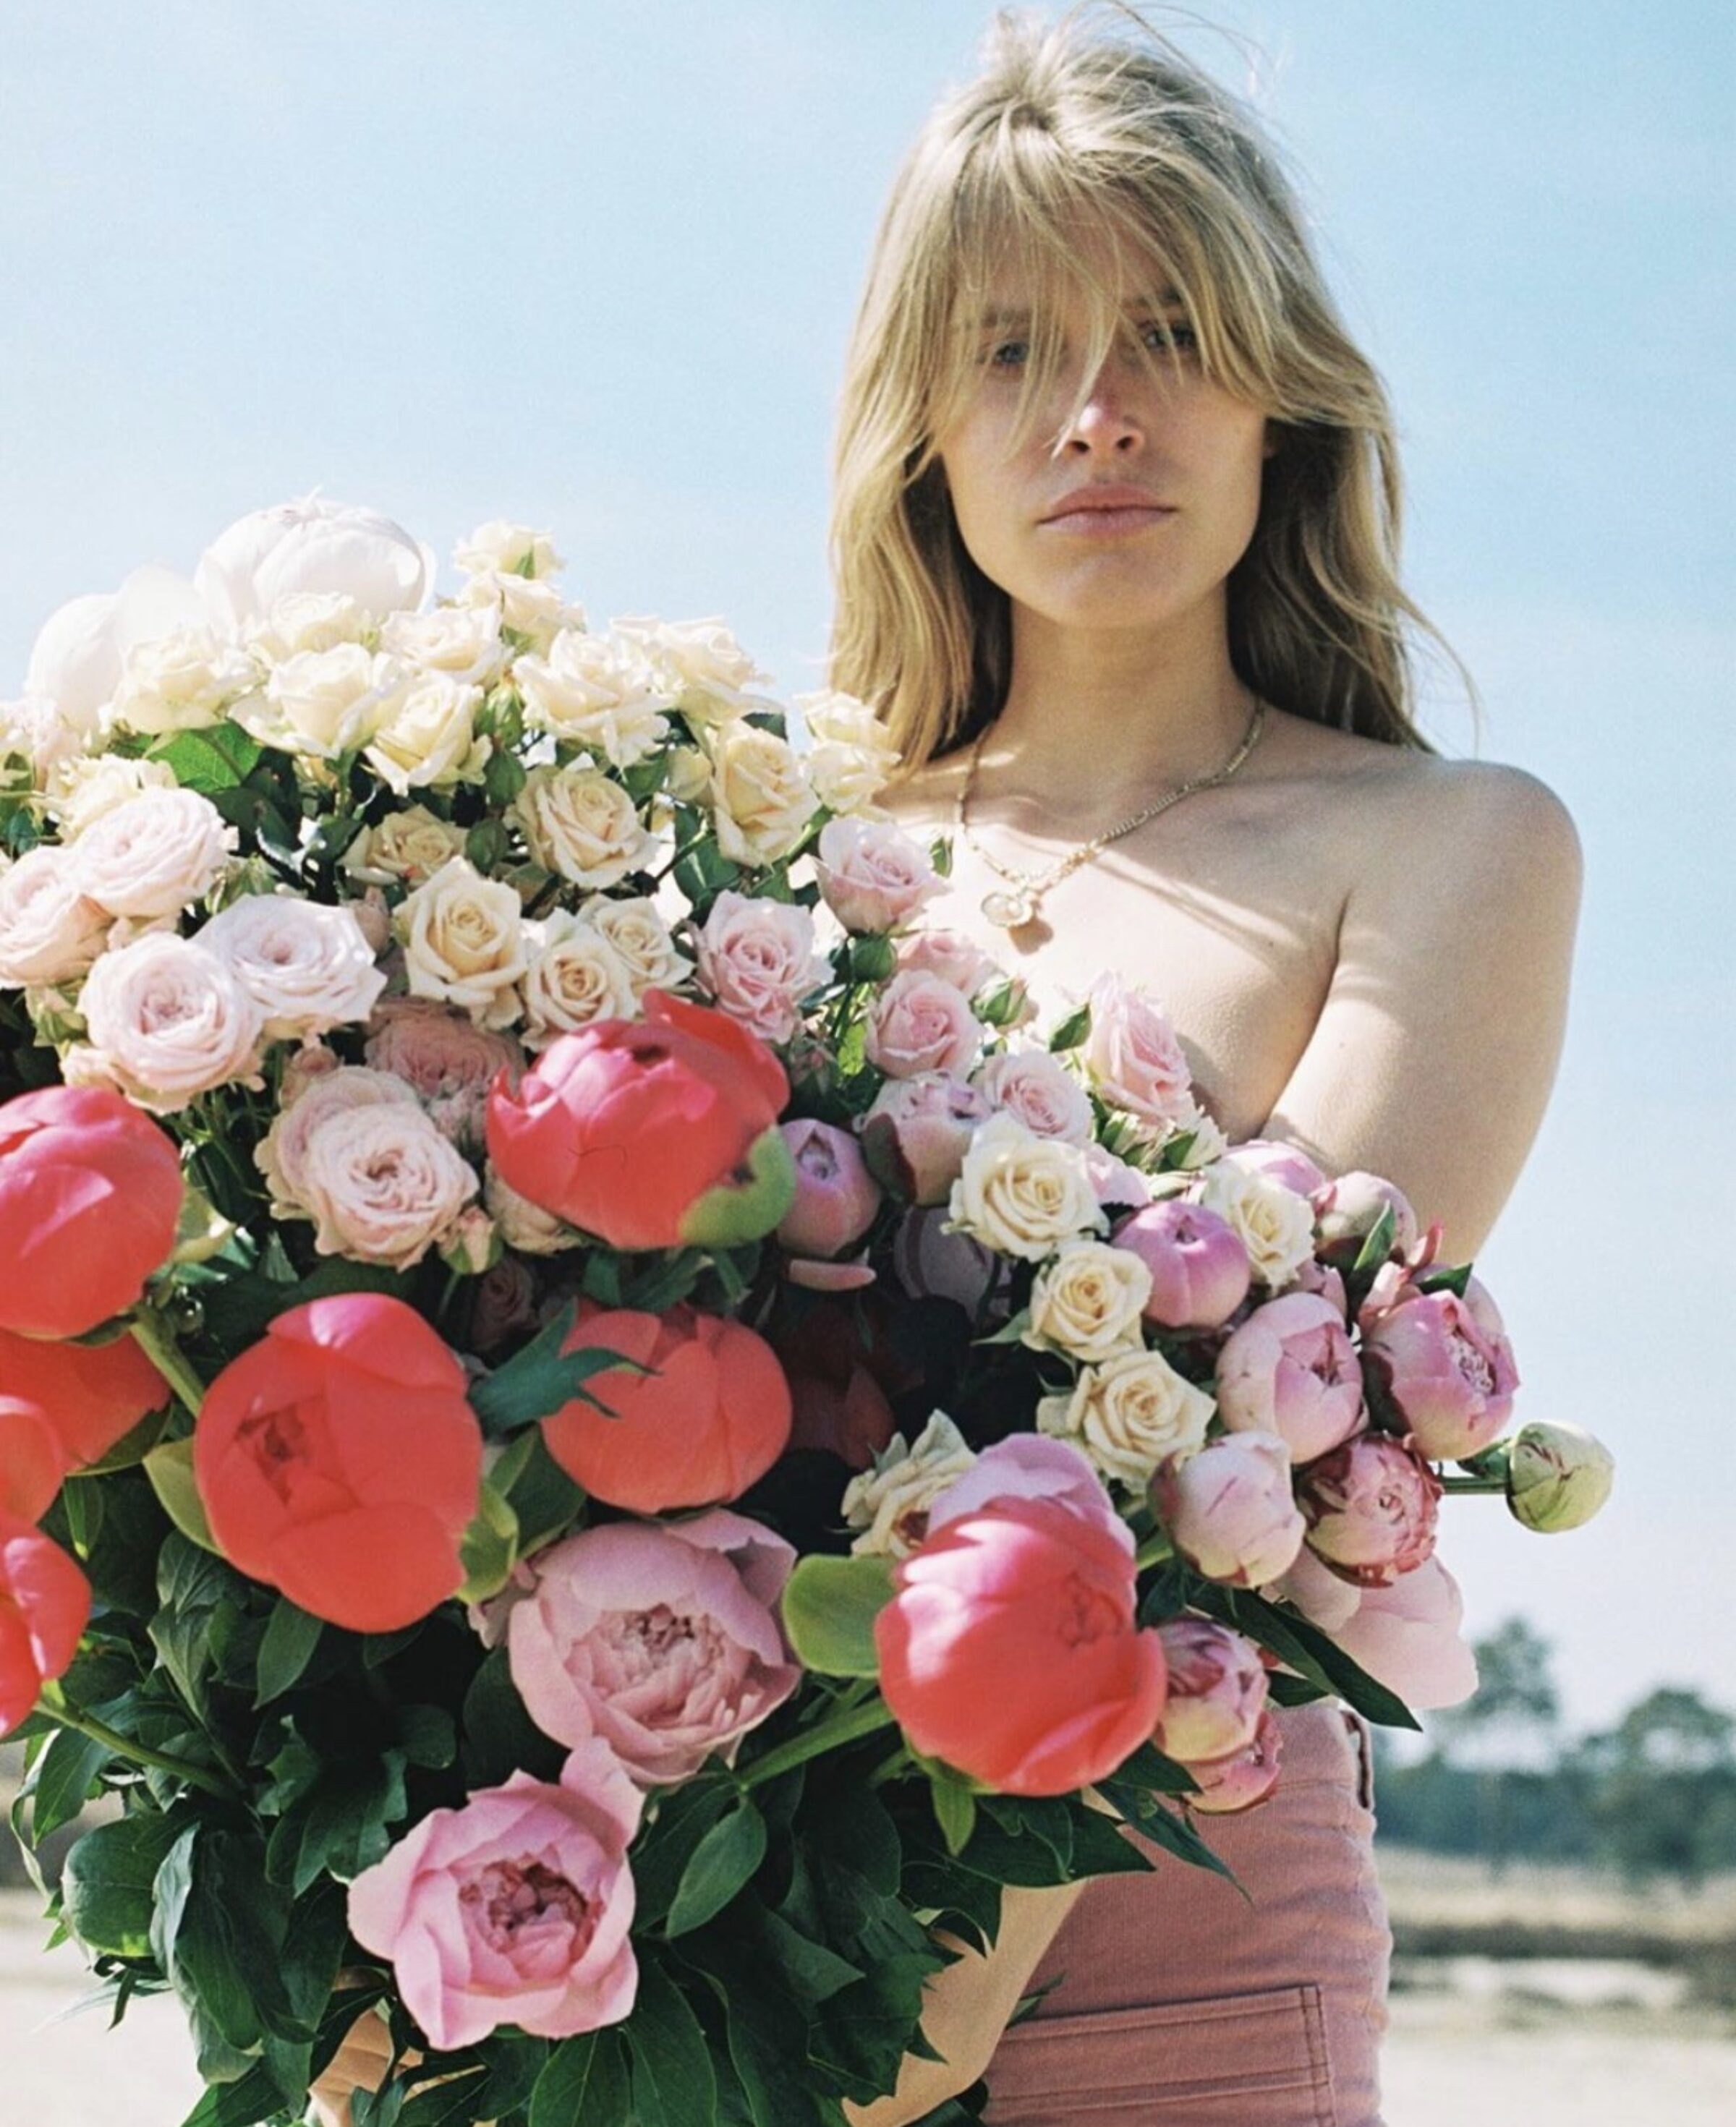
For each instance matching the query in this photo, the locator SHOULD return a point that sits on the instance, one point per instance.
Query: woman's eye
(1009, 354)
(1178, 338)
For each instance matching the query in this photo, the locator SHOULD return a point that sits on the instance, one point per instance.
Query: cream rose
(381, 1184)
(507, 549)
(596, 692)
(311, 1097)
(463, 941)
(429, 737)
(307, 967)
(32, 729)
(759, 958)
(1088, 1300)
(580, 823)
(324, 703)
(524, 1225)
(850, 756)
(1128, 1414)
(1021, 1193)
(530, 610)
(166, 1020)
(78, 793)
(406, 847)
(182, 682)
(154, 854)
(308, 620)
(640, 939)
(761, 799)
(1036, 1088)
(575, 976)
(463, 642)
(1274, 1223)
(700, 664)
(888, 1504)
(49, 931)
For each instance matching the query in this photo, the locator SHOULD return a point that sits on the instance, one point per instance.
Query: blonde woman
(1117, 519)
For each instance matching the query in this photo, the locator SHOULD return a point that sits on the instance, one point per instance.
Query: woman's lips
(1101, 521)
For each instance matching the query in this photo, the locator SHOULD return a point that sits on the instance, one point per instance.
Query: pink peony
(1290, 1368)
(1407, 1637)
(1447, 1365)
(661, 1639)
(1229, 1784)
(1199, 1267)
(1133, 1056)
(836, 1196)
(1217, 1691)
(1371, 1508)
(758, 959)
(931, 1263)
(873, 876)
(1228, 1509)
(1348, 1208)
(917, 1132)
(1033, 1466)
(513, 1909)
(919, 1023)
(1280, 1162)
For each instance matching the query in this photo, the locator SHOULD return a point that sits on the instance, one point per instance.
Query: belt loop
(1363, 1738)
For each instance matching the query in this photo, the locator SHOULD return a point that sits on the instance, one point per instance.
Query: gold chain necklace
(1012, 908)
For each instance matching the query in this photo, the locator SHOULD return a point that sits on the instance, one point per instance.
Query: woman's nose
(1106, 420)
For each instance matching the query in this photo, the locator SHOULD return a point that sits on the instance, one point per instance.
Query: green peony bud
(1558, 1476)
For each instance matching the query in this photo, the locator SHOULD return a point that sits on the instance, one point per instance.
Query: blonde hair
(1094, 128)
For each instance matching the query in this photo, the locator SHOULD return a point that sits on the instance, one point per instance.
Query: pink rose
(919, 1023)
(930, 1262)
(1217, 1691)
(1406, 1637)
(1371, 1508)
(873, 876)
(1447, 1365)
(1277, 1161)
(1348, 1208)
(1133, 1056)
(1229, 1784)
(1031, 1084)
(513, 1909)
(1199, 1266)
(1290, 1368)
(950, 954)
(836, 1196)
(917, 1132)
(50, 930)
(1229, 1510)
(662, 1639)
(758, 959)
(1033, 1466)
(445, 1058)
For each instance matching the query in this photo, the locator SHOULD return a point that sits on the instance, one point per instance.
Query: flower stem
(54, 1705)
(1473, 1484)
(157, 1341)
(1155, 1551)
(828, 1735)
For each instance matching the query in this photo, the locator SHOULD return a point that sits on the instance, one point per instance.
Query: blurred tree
(1508, 1732)
(1663, 1786)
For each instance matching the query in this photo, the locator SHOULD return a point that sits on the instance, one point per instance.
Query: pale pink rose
(1348, 1208)
(1231, 1784)
(1278, 1163)
(950, 954)
(1290, 1368)
(33, 728)
(307, 967)
(382, 1184)
(1199, 1267)
(1114, 1182)
(930, 1262)
(1034, 1086)
(1032, 1465)
(917, 1132)
(1217, 1691)
(836, 1196)
(1371, 1508)
(873, 876)
(919, 1023)
(448, 1060)
(165, 1021)
(514, 1909)
(309, 1098)
(1133, 1056)
(1447, 1365)
(1229, 1510)
(50, 930)
(155, 854)
(661, 1638)
(759, 959)
(1407, 1636)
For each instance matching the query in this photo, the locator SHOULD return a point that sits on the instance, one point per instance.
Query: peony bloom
(836, 1196)
(1371, 1507)
(1025, 1465)
(514, 1909)
(32, 1464)
(313, 546)
(1228, 1509)
(661, 1640)
(1199, 1267)
(90, 1197)
(917, 1132)
(1407, 1636)
(340, 1461)
(1291, 1369)
(1025, 1590)
(1236, 1783)
(45, 1601)
(91, 1396)
(1448, 1367)
(1217, 1692)
(709, 1419)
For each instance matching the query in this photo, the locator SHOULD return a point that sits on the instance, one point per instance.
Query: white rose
(182, 682)
(1128, 1414)
(761, 799)
(154, 854)
(308, 967)
(79, 792)
(704, 670)
(464, 642)
(575, 976)
(312, 545)
(314, 1088)
(166, 1020)
(849, 758)
(1274, 1224)
(530, 610)
(1088, 1300)
(463, 941)
(580, 823)
(889, 1504)
(33, 729)
(77, 658)
(382, 1184)
(1021, 1193)
(49, 930)
(503, 548)
(524, 1225)
(687, 777)
(596, 692)
(408, 847)
(1037, 1088)
(325, 701)
(428, 736)
(640, 939)
(308, 620)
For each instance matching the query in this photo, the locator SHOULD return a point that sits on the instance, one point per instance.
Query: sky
(593, 267)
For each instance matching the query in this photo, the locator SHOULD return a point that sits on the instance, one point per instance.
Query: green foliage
(830, 1605)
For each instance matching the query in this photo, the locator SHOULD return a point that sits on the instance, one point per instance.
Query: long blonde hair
(1101, 128)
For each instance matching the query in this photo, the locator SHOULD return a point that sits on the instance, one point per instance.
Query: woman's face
(1126, 505)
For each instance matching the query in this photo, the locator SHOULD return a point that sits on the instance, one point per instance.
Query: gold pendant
(1009, 910)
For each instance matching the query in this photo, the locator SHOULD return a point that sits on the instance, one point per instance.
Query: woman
(1117, 517)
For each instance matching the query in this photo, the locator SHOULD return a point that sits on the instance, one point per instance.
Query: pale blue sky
(593, 266)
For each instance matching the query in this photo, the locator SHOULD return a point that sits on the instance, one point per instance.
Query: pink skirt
(1174, 1997)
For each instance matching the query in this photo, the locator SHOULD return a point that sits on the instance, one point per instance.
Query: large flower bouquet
(601, 1438)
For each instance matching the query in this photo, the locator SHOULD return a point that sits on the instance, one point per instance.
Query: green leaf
(342, 1825)
(584, 2085)
(1072, 1031)
(490, 1548)
(940, 854)
(215, 758)
(872, 959)
(538, 1382)
(669, 1842)
(807, 1970)
(500, 1736)
(62, 1780)
(219, 1934)
(1307, 1650)
(673, 2085)
(830, 1605)
(538, 1490)
(725, 1860)
(105, 1885)
(1376, 1243)
(291, 1637)
(169, 1466)
(955, 1809)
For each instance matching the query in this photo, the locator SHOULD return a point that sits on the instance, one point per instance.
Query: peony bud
(1235, 1783)
(1217, 1692)
(1371, 1507)
(1558, 1476)
(836, 1196)
(1349, 1208)
(1229, 1510)
(1199, 1267)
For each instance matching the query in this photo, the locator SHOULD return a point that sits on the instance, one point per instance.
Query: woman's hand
(360, 2062)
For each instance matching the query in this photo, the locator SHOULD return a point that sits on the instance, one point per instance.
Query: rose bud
(1199, 1267)
(1238, 1783)
(708, 1420)
(836, 1196)
(1023, 1588)
(1217, 1691)
(340, 1461)
(1291, 1369)
(930, 1263)
(1349, 1207)
(91, 1395)
(1228, 1508)
(90, 1196)
(650, 1133)
(1448, 1367)
(1278, 1163)
(44, 1602)
(31, 1465)
(1407, 1637)
(1371, 1508)
(1558, 1476)
(917, 1132)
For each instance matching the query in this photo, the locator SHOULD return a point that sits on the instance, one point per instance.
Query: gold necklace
(1010, 908)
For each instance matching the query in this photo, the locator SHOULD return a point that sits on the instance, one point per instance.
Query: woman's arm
(1437, 1043)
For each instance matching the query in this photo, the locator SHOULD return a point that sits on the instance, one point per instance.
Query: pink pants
(1177, 1999)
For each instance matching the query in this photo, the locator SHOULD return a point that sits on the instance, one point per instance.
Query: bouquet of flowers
(603, 1438)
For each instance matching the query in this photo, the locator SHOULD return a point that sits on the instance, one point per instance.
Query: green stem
(1473, 1484)
(1155, 1551)
(828, 1735)
(157, 1340)
(53, 1704)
